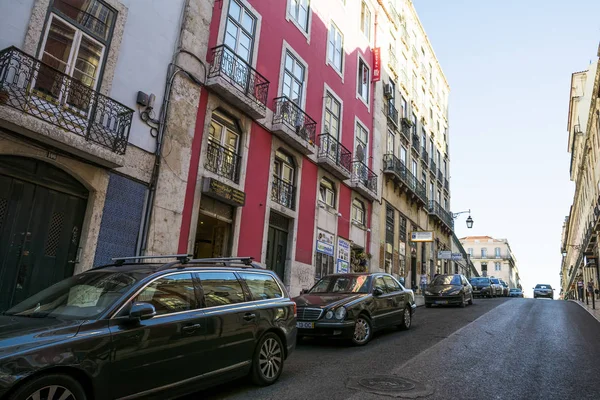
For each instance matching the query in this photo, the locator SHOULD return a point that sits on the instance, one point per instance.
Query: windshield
(342, 284)
(84, 296)
(495, 281)
(514, 290)
(446, 280)
(480, 281)
(543, 287)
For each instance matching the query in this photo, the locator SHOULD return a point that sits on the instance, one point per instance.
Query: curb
(585, 308)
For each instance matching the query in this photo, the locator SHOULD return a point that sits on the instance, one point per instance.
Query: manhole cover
(390, 385)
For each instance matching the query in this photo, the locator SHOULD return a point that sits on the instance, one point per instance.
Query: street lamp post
(469, 220)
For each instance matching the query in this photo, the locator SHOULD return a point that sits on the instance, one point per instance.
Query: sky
(509, 66)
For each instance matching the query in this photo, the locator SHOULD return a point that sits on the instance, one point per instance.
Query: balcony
(68, 114)
(334, 157)
(363, 180)
(424, 155)
(223, 161)
(294, 126)
(415, 143)
(393, 167)
(283, 193)
(443, 216)
(440, 176)
(391, 113)
(405, 128)
(238, 82)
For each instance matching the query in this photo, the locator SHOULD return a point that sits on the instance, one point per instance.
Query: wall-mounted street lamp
(469, 220)
(574, 246)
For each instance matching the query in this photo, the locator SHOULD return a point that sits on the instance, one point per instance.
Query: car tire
(406, 319)
(363, 330)
(60, 384)
(463, 303)
(268, 360)
(427, 305)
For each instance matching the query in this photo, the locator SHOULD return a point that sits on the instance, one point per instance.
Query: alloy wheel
(53, 392)
(407, 319)
(362, 330)
(270, 359)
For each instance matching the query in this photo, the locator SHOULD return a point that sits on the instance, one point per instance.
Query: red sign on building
(376, 64)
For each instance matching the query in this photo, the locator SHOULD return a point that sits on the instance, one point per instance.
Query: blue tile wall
(121, 219)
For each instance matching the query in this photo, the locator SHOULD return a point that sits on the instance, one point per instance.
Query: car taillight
(295, 310)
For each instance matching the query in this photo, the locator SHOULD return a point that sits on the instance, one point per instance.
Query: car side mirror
(142, 311)
(377, 291)
(401, 281)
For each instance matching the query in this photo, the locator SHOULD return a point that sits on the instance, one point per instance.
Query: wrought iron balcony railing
(223, 161)
(391, 113)
(415, 142)
(283, 193)
(37, 89)
(333, 150)
(240, 74)
(363, 174)
(446, 217)
(425, 155)
(393, 164)
(290, 114)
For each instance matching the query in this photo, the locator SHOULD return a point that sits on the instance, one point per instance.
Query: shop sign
(457, 257)
(376, 64)
(402, 249)
(223, 192)
(324, 242)
(343, 258)
(424, 236)
(444, 255)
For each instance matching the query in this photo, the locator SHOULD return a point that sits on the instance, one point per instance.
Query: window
(239, 32)
(439, 196)
(171, 294)
(335, 47)
(439, 159)
(404, 106)
(483, 252)
(470, 251)
(223, 141)
(445, 168)
(221, 288)
(390, 224)
(497, 251)
(446, 204)
(299, 10)
(391, 284)
(431, 148)
(484, 269)
(262, 286)
(327, 192)
(363, 80)
(362, 141)
(391, 142)
(293, 79)
(358, 212)
(402, 229)
(424, 139)
(498, 266)
(424, 178)
(414, 168)
(332, 116)
(283, 190)
(324, 265)
(432, 190)
(403, 155)
(365, 20)
(414, 124)
(380, 283)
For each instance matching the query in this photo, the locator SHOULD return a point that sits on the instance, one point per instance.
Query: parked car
(505, 288)
(449, 289)
(542, 290)
(482, 287)
(132, 330)
(354, 306)
(516, 293)
(496, 286)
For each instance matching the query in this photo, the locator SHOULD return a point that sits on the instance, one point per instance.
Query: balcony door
(223, 143)
(239, 39)
(284, 172)
(277, 243)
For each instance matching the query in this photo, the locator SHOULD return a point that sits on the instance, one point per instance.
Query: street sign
(424, 236)
(457, 257)
(444, 255)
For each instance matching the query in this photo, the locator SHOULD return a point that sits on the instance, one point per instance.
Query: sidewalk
(419, 300)
(594, 313)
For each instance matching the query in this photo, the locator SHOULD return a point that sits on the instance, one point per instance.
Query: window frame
(252, 34)
(329, 186)
(291, 17)
(362, 66)
(105, 42)
(328, 114)
(246, 287)
(333, 29)
(287, 51)
(364, 12)
(245, 290)
(360, 205)
(359, 128)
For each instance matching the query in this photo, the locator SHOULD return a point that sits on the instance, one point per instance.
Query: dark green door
(277, 242)
(41, 213)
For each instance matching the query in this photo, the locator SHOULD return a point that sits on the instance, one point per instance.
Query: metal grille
(56, 225)
(278, 221)
(309, 314)
(3, 210)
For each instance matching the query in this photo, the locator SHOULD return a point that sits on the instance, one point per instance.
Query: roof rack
(245, 262)
(182, 258)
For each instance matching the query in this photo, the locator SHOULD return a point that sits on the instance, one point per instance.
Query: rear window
(543, 287)
(262, 286)
(480, 281)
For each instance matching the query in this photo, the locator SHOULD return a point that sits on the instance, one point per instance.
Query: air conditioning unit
(388, 91)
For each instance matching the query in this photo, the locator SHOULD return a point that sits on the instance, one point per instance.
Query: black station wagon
(354, 306)
(156, 330)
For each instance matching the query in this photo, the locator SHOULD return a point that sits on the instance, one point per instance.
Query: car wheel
(406, 319)
(50, 387)
(268, 360)
(463, 303)
(363, 330)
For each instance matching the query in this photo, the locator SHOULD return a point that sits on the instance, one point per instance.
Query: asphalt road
(495, 349)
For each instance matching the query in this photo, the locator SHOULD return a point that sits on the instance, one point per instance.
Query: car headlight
(453, 292)
(329, 314)
(340, 313)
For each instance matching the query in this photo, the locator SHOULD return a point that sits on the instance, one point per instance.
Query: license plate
(441, 302)
(305, 325)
